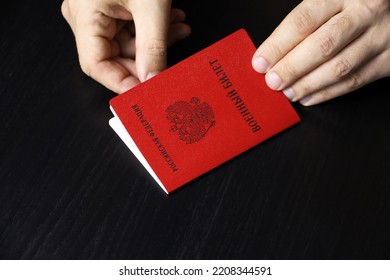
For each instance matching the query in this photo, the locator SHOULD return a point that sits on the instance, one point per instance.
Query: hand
(324, 49)
(108, 49)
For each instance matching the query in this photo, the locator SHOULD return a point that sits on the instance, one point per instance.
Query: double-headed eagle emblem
(191, 120)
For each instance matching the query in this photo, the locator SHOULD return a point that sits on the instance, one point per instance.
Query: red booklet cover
(200, 113)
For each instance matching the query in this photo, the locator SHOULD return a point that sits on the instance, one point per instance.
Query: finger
(93, 33)
(322, 45)
(177, 31)
(151, 20)
(120, 25)
(177, 15)
(300, 23)
(114, 75)
(128, 64)
(368, 73)
(66, 13)
(358, 53)
(126, 42)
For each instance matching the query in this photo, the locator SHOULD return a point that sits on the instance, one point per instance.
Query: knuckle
(156, 48)
(307, 87)
(69, 6)
(302, 89)
(377, 6)
(290, 71)
(64, 9)
(345, 22)
(275, 49)
(85, 67)
(329, 42)
(367, 47)
(355, 81)
(342, 67)
(323, 95)
(69, 10)
(327, 45)
(303, 21)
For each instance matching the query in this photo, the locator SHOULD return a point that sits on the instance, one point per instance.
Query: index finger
(298, 24)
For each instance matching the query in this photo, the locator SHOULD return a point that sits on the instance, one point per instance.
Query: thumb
(151, 19)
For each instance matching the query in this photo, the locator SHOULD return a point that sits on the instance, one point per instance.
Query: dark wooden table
(70, 189)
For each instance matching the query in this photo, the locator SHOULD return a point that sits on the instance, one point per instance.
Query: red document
(200, 113)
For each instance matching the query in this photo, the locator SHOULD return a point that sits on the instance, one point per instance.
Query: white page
(119, 128)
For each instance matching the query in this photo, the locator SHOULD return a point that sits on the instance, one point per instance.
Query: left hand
(324, 49)
(122, 43)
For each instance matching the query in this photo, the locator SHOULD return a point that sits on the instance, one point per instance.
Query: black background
(70, 189)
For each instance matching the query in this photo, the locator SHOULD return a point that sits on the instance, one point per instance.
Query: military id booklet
(200, 113)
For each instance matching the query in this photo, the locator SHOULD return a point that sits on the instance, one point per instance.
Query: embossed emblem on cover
(191, 120)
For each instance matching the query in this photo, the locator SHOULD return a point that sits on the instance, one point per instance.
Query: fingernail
(260, 64)
(306, 100)
(289, 93)
(273, 80)
(151, 75)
